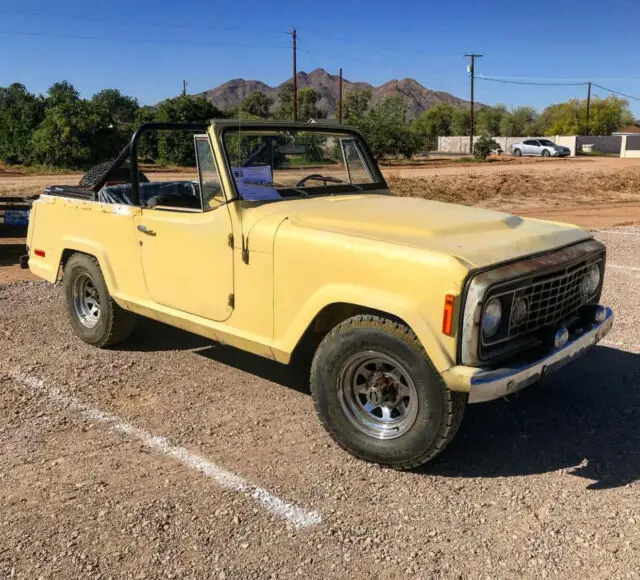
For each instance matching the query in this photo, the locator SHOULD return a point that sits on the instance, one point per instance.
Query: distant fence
(630, 146)
(602, 143)
(611, 144)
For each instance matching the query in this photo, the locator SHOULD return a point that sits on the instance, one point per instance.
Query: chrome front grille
(551, 300)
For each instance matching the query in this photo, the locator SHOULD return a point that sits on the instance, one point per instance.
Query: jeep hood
(476, 236)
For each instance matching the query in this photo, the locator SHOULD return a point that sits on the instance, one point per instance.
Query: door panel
(187, 261)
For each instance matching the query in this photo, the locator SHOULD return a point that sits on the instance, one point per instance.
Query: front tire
(545, 153)
(94, 315)
(379, 396)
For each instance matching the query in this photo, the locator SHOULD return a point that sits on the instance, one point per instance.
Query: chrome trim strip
(493, 384)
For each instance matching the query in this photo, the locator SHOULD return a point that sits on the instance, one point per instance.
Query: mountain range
(417, 97)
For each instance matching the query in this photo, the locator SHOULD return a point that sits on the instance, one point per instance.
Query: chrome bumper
(486, 385)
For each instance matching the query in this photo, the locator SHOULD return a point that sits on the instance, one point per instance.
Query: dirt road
(246, 484)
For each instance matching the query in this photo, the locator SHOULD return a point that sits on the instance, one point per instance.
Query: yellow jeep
(287, 240)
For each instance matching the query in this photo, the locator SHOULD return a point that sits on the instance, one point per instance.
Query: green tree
(460, 121)
(570, 118)
(20, 114)
(176, 147)
(284, 109)
(148, 144)
(118, 113)
(307, 104)
(356, 105)
(520, 122)
(435, 122)
(608, 115)
(66, 136)
(489, 119)
(61, 93)
(256, 104)
(387, 130)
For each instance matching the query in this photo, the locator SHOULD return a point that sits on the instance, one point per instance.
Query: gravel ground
(544, 485)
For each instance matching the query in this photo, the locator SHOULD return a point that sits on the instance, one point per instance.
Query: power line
(518, 82)
(556, 84)
(145, 22)
(136, 41)
(617, 92)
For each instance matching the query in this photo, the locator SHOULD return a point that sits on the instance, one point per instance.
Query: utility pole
(588, 106)
(472, 74)
(340, 98)
(184, 88)
(295, 75)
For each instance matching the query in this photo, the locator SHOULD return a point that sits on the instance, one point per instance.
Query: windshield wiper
(331, 179)
(302, 192)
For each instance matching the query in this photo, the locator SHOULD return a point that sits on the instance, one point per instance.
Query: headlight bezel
(497, 316)
(594, 282)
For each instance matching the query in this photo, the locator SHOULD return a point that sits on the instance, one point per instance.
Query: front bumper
(486, 385)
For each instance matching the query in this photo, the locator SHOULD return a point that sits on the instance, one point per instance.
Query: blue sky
(146, 47)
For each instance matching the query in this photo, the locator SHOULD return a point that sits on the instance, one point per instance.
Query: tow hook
(24, 262)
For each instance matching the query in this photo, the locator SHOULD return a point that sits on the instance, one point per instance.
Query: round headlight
(519, 312)
(492, 317)
(590, 281)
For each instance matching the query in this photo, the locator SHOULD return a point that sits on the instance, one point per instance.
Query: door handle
(146, 230)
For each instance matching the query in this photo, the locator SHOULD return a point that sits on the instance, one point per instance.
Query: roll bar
(131, 151)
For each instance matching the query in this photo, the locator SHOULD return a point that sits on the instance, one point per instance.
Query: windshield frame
(378, 182)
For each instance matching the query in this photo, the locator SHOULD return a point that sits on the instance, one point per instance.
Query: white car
(539, 147)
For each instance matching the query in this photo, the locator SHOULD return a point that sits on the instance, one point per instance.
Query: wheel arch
(306, 332)
(73, 246)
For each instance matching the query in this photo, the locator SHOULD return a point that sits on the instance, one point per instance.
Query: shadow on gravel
(150, 336)
(295, 376)
(585, 419)
(10, 253)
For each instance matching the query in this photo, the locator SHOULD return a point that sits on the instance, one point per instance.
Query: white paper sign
(247, 178)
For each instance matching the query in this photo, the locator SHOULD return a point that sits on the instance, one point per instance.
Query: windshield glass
(272, 164)
(547, 143)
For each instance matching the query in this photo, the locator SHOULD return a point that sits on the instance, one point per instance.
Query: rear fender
(48, 267)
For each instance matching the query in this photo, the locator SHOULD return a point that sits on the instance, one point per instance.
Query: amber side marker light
(447, 316)
(39, 253)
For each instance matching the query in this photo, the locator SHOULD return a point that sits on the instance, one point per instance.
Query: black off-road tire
(114, 324)
(440, 410)
(121, 174)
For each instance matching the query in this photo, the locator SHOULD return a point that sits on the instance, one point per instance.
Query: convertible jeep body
(287, 242)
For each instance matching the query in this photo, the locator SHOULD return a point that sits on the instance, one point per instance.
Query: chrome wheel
(86, 301)
(377, 395)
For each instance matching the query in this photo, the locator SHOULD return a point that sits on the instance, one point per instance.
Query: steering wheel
(317, 177)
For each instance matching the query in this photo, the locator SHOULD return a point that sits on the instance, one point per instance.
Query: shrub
(484, 146)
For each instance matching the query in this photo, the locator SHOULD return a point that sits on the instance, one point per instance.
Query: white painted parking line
(292, 514)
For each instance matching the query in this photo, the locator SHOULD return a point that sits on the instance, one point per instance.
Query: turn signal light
(447, 316)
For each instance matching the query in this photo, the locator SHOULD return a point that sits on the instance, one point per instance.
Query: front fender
(440, 348)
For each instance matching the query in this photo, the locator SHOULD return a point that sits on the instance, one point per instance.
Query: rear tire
(517, 153)
(121, 174)
(380, 397)
(94, 315)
